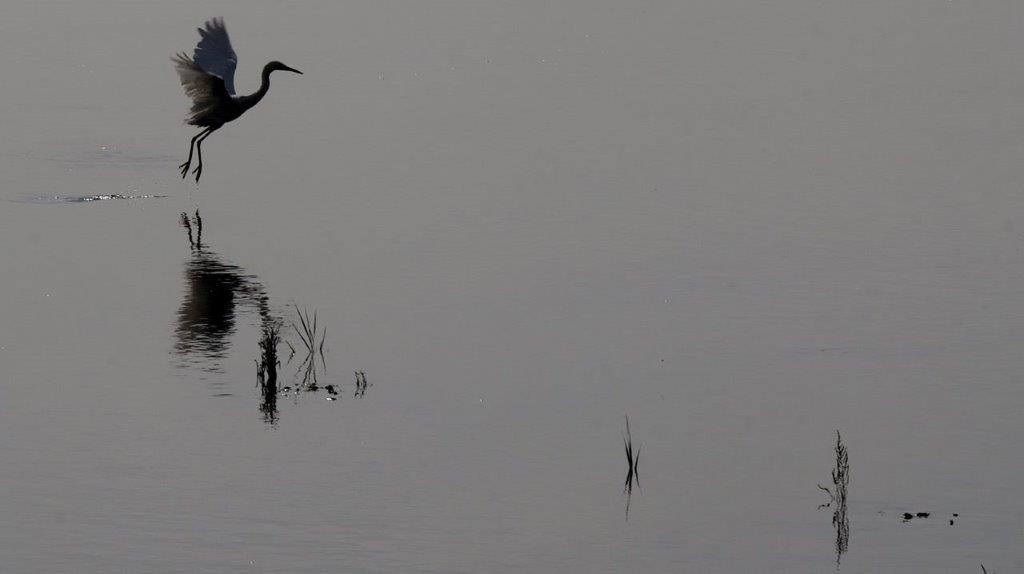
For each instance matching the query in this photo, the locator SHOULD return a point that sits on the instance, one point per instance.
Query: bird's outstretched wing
(210, 97)
(214, 53)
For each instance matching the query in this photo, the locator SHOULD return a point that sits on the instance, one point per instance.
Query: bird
(208, 77)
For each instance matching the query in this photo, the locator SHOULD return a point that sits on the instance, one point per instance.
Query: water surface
(744, 224)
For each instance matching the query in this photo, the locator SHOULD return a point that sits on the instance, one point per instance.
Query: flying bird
(209, 79)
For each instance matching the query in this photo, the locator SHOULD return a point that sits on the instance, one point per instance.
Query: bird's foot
(184, 168)
(198, 171)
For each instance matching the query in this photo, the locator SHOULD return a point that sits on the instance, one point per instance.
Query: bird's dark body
(219, 116)
(209, 79)
(229, 110)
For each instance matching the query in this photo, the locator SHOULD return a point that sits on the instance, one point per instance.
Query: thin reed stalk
(632, 458)
(313, 339)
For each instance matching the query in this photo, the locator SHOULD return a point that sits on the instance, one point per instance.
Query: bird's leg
(184, 167)
(199, 153)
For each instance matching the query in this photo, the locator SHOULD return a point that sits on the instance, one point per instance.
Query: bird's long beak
(292, 70)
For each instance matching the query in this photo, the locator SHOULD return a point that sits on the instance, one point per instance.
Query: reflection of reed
(266, 370)
(266, 366)
(310, 375)
(837, 495)
(842, 525)
(268, 401)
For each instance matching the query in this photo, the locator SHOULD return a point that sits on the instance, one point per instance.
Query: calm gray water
(745, 224)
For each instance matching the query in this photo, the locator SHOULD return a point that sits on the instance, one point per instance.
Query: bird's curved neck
(254, 98)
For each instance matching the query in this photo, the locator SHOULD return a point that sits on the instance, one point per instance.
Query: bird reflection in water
(215, 291)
